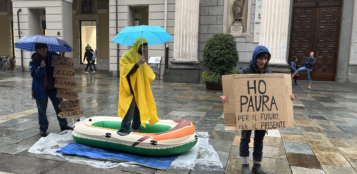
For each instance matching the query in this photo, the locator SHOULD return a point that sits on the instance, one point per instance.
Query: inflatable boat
(166, 137)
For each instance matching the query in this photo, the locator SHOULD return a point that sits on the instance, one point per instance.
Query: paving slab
(335, 134)
(347, 129)
(303, 160)
(313, 129)
(336, 169)
(69, 168)
(293, 130)
(221, 145)
(274, 152)
(332, 159)
(302, 148)
(341, 142)
(219, 135)
(293, 138)
(173, 171)
(20, 164)
(273, 141)
(317, 117)
(300, 170)
(349, 152)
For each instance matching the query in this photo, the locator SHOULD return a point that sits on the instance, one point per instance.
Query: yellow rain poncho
(140, 83)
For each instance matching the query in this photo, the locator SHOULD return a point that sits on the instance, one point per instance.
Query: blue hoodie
(259, 49)
(251, 69)
(39, 74)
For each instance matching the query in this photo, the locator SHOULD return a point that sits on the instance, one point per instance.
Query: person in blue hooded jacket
(309, 64)
(294, 67)
(258, 65)
(43, 86)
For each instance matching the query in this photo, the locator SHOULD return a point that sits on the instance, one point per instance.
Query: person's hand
(223, 98)
(141, 61)
(292, 97)
(43, 64)
(62, 53)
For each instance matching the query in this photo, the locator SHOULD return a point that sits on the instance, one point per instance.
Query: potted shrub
(220, 56)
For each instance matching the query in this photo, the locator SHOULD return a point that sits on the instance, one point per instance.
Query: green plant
(234, 72)
(213, 77)
(220, 55)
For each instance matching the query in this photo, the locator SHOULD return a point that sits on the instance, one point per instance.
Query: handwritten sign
(67, 94)
(69, 114)
(64, 73)
(65, 62)
(258, 101)
(70, 105)
(65, 83)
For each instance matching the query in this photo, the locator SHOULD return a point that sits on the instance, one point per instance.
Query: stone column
(274, 29)
(185, 66)
(186, 33)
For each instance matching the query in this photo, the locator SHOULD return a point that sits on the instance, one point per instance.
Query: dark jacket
(310, 62)
(88, 55)
(293, 66)
(39, 74)
(251, 68)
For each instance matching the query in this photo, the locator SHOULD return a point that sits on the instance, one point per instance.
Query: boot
(292, 76)
(257, 169)
(245, 169)
(309, 87)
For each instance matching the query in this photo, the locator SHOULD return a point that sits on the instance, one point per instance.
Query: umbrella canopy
(54, 44)
(153, 34)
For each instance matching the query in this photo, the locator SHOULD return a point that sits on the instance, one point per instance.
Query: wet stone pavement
(323, 141)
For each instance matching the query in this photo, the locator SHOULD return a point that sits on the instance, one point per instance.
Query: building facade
(289, 28)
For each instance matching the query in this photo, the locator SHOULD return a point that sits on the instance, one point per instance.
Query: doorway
(315, 27)
(88, 34)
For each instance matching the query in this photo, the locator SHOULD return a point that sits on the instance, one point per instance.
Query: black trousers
(93, 61)
(258, 144)
(90, 65)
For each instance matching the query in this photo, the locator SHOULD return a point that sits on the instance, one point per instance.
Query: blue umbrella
(54, 44)
(153, 34)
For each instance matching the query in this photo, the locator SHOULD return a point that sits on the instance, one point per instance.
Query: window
(87, 6)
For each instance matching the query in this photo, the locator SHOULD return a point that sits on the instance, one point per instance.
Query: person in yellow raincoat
(136, 101)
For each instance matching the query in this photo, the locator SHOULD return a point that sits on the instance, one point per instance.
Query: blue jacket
(309, 63)
(39, 74)
(293, 66)
(251, 68)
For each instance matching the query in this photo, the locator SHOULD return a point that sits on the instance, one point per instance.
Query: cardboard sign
(67, 94)
(65, 62)
(258, 101)
(64, 73)
(69, 114)
(65, 83)
(70, 105)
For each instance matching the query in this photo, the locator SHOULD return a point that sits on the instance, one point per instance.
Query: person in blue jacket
(43, 86)
(294, 67)
(258, 65)
(309, 64)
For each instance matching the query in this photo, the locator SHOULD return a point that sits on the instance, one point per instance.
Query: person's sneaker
(293, 76)
(68, 128)
(43, 133)
(86, 72)
(245, 169)
(309, 87)
(257, 169)
(94, 72)
(123, 132)
(136, 130)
